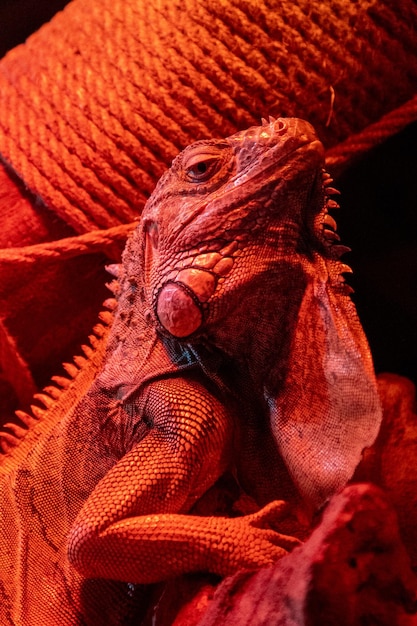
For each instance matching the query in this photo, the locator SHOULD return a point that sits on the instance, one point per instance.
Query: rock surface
(353, 570)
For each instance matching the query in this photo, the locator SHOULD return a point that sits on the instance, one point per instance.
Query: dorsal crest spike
(70, 369)
(114, 269)
(37, 412)
(87, 350)
(79, 361)
(27, 419)
(106, 317)
(61, 381)
(19, 432)
(44, 399)
(340, 250)
(99, 330)
(111, 304)
(8, 442)
(53, 391)
(264, 122)
(114, 287)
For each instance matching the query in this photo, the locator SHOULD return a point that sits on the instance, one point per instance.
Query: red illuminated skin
(234, 346)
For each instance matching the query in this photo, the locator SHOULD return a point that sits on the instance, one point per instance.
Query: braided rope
(338, 159)
(69, 247)
(96, 104)
(341, 156)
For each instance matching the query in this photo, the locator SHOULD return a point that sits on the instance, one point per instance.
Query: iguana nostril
(177, 310)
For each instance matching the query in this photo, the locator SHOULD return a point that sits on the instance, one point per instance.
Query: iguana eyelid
(202, 166)
(201, 157)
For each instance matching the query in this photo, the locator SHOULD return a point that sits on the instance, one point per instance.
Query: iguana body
(234, 344)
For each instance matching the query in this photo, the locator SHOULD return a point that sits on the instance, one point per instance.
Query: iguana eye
(202, 169)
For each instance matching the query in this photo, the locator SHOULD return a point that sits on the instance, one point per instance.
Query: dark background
(378, 220)
(20, 18)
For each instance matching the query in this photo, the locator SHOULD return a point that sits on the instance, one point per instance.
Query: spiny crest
(337, 280)
(327, 223)
(265, 122)
(264, 134)
(327, 227)
(51, 394)
(116, 271)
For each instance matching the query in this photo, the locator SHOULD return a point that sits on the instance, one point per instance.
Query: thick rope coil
(62, 249)
(341, 156)
(96, 103)
(337, 160)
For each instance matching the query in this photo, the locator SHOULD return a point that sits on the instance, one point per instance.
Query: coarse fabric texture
(96, 104)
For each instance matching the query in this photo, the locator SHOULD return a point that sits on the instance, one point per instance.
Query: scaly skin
(234, 345)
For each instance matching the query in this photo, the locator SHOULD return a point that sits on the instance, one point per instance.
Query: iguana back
(43, 486)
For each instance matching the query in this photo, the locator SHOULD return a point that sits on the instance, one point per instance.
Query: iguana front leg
(131, 527)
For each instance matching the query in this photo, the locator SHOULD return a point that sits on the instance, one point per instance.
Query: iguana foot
(269, 517)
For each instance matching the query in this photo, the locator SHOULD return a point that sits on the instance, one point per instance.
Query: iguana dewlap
(234, 345)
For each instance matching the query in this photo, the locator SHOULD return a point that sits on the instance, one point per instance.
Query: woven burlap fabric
(96, 104)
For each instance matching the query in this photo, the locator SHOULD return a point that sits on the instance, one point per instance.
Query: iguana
(234, 345)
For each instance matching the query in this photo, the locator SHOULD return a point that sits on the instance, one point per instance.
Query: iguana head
(215, 214)
(238, 252)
